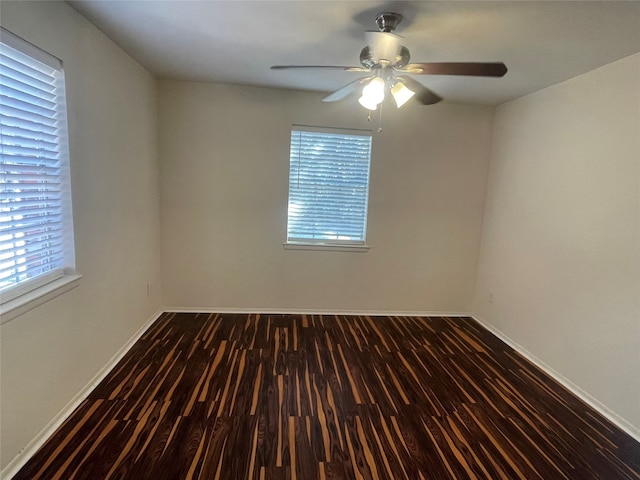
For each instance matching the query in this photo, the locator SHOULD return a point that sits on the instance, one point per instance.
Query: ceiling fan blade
(319, 67)
(476, 69)
(347, 90)
(422, 93)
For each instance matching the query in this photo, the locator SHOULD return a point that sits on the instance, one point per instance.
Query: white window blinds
(328, 186)
(36, 236)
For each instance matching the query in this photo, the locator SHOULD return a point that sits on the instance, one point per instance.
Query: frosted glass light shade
(368, 104)
(372, 94)
(401, 93)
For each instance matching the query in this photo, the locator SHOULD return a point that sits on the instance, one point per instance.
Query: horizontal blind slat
(34, 177)
(27, 106)
(47, 93)
(23, 52)
(15, 191)
(32, 230)
(30, 215)
(34, 266)
(29, 125)
(16, 131)
(25, 73)
(28, 160)
(25, 151)
(27, 97)
(14, 138)
(23, 60)
(20, 116)
(52, 242)
(14, 169)
(37, 195)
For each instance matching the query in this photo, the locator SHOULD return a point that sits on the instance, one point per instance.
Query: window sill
(30, 300)
(331, 247)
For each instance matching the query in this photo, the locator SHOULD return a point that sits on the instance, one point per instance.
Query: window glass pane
(328, 186)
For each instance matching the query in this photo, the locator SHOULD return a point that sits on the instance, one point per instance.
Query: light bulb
(367, 103)
(372, 94)
(401, 93)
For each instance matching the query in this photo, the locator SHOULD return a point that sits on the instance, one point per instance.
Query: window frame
(19, 297)
(298, 243)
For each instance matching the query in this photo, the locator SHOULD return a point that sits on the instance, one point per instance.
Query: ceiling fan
(386, 61)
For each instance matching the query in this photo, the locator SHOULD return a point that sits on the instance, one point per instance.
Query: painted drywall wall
(50, 353)
(559, 269)
(224, 185)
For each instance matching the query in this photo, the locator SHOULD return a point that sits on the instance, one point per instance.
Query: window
(328, 186)
(36, 231)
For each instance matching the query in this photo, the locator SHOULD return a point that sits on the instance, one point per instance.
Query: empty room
(319, 240)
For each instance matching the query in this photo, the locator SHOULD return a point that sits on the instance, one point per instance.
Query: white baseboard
(32, 447)
(292, 311)
(594, 403)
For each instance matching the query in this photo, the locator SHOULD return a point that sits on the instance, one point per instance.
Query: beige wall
(561, 241)
(50, 353)
(224, 184)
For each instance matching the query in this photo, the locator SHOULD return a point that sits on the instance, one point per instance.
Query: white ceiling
(235, 42)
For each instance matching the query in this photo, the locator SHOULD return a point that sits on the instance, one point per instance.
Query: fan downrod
(388, 21)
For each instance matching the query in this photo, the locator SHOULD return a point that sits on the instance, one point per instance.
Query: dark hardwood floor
(220, 396)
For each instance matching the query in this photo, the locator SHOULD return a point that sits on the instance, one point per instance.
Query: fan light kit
(386, 61)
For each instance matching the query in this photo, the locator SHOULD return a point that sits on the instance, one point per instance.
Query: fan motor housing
(401, 60)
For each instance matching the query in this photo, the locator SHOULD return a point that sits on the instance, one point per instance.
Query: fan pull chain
(379, 130)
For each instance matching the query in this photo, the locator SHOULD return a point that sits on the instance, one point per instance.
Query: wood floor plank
(330, 397)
